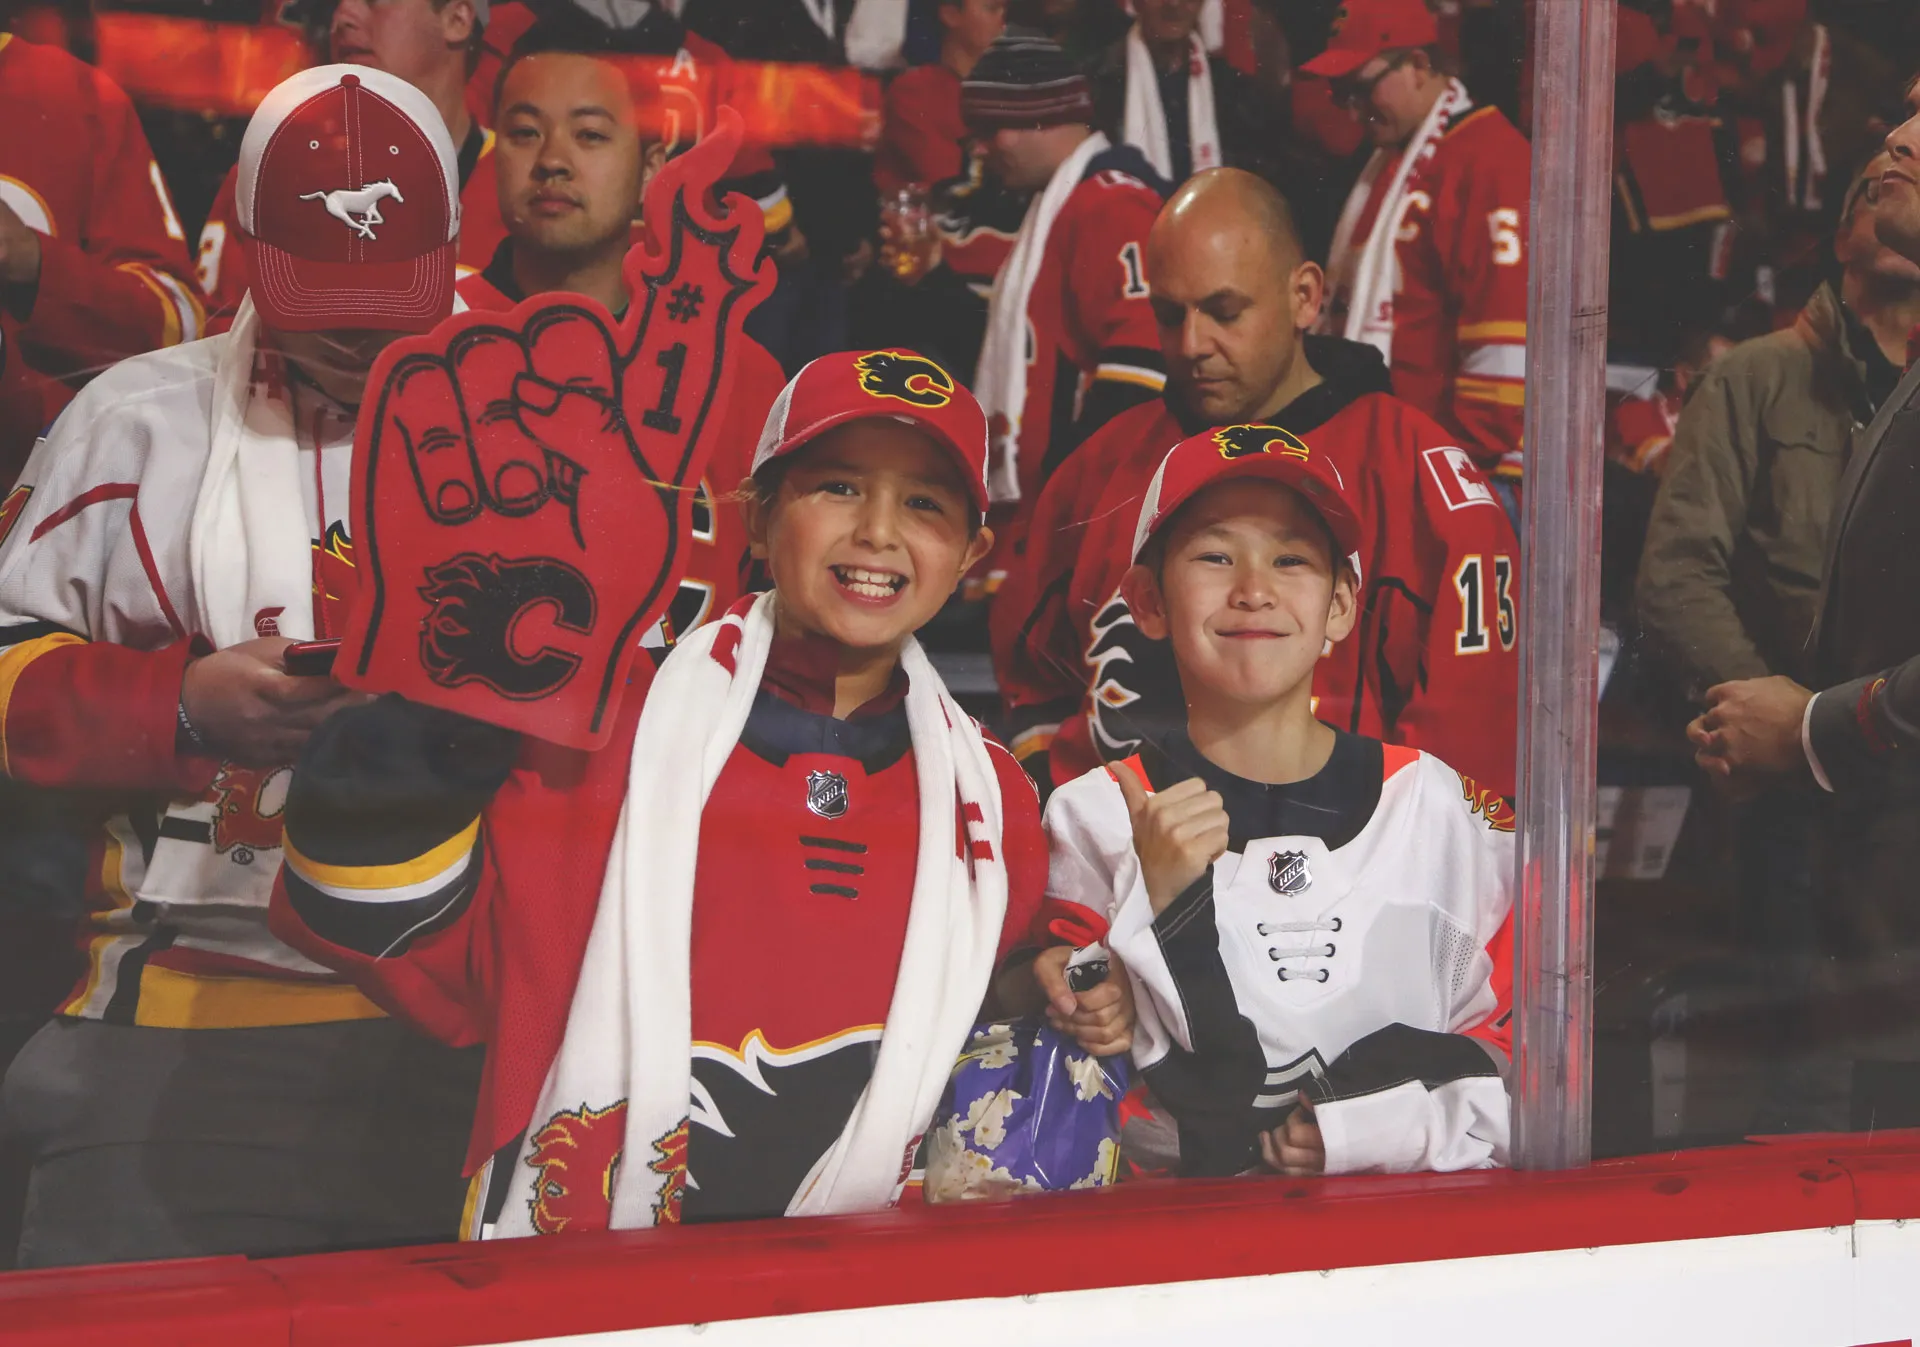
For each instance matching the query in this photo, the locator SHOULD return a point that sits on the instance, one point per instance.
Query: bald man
(1433, 662)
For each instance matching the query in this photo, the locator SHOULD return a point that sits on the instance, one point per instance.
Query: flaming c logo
(248, 806)
(905, 378)
(1489, 806)
(577, 1158)
(1245, 441)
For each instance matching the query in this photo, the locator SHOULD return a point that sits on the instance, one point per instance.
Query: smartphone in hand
(310, 659)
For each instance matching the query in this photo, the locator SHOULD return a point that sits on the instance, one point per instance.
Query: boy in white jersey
(1315, 925)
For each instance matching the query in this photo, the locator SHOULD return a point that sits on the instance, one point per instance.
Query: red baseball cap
(1362, 29)
(1265, 452)
(899, 385)
(349, 203)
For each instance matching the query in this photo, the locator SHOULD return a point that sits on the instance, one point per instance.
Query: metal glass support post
(1552, 1080)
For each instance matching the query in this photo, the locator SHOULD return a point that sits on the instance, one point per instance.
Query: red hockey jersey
(799, 914)
(719, 568)
(222, 264)
(1091, 332)
(1432, 663)
(115, 280)
(1460, 313)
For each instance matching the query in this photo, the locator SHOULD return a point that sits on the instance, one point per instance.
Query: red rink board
(456, 1295)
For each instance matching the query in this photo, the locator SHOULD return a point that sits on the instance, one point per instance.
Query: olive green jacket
(1730, 576)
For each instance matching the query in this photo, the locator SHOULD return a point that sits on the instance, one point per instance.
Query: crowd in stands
(1201, 327)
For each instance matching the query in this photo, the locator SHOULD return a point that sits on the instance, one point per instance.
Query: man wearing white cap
(204, 1089)
(434, 45)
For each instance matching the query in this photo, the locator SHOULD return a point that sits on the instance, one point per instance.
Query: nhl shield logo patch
(1288, 874)
(827, 794)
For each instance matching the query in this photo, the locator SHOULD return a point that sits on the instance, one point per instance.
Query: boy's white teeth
(870, 584)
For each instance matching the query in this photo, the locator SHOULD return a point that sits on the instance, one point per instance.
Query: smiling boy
(1315, 923)
(743, 945)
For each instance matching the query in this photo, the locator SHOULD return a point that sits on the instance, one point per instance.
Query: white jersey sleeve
(1405, 1099)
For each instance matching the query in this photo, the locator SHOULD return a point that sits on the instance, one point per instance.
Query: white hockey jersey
(101, 608)
(1352, 944)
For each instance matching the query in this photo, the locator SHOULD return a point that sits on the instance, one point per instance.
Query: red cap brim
(970, 472)
(1341, 521)
(1338, 62)
(297, 294)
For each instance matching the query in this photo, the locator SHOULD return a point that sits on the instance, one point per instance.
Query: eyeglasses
(1351, 92)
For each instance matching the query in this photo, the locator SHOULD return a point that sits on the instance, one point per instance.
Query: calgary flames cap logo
(1244, 441)
(911, 379)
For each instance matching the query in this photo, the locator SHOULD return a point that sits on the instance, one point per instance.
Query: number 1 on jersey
(1472, 637)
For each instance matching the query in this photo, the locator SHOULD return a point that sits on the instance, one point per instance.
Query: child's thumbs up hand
(1178, 833)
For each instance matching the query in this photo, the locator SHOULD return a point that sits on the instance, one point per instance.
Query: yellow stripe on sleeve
(13, 663)
(1489, 390)
(1492, 331)
(424, 867)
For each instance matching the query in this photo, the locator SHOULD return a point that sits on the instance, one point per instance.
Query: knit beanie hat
(1024, 80)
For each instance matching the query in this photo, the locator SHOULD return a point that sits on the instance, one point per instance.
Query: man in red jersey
(1432, 661)
(1069, 338)
(1429, 260)
(573, 162)
(432, 45)
(93, 263)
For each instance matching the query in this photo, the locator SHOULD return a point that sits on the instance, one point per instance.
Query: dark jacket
(1864, 725)
(1252, 126)
(1730, 575)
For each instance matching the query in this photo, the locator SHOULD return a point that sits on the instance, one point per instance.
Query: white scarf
(1368, 279)
(630, 1028)
(1144, 124)
(1000, 379)
(250, 543)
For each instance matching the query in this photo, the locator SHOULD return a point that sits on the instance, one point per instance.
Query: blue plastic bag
(1027, 1111)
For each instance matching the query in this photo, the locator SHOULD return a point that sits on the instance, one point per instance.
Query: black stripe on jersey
(833, 844)
(125, 1000)
(839, 866)
(1211, 1091)
(22, 632)
(1398, 1055)
(186, 830)
(833, 890)
(382, 930)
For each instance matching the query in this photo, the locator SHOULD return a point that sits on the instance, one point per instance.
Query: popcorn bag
(1027, 1111)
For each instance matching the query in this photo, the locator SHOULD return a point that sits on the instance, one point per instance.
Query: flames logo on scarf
(1497, 810)
(577, 1157)
(468, 635)
(908, 378)
(670, 1159)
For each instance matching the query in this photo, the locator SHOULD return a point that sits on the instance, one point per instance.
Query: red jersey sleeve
(121, 284)
(1025, 850)
(1036, 655)
(221, 266)
(1480, 231)
(1463, 703)
(1108, 321)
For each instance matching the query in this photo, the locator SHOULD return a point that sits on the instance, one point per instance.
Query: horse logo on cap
(906, 378)
(1245, 441)
(358, 210)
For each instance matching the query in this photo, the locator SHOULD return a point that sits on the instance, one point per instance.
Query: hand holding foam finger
(518, 480)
